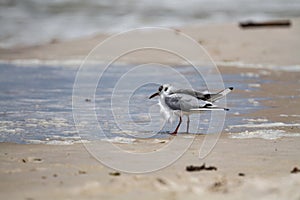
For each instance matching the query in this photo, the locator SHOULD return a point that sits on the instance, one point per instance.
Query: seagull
(184, 102)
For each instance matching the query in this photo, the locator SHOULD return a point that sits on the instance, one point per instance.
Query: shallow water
(36, 104)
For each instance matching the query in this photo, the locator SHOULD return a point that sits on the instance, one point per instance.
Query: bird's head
(163, 89)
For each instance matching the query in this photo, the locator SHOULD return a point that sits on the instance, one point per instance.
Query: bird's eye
(160, 88)
(166, 89)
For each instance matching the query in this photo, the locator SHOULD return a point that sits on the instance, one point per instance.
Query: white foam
(284, 115)
(264, 134)
(264, 125)
(256, 120)
(288, 68)
(77, 63)
(52, 122)
(254, 85)
(57, 142)
(264, 72)
(295, 115)
(11, 130)
(53, 62)
(250, 75)
(254, 102)
(121, 140)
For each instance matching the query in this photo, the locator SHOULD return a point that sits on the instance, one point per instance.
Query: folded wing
(186, 103)
(203, 96)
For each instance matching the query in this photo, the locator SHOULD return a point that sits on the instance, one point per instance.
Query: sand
(246, 168)
(249, 168)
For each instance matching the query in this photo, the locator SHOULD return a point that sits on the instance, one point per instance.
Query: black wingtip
(231, 88)
(207, 96)
(206, 105)
(226, 109)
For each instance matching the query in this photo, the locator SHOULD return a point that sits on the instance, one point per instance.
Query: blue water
(36, 103)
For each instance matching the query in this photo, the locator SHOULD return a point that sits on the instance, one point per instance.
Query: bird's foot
(174, 133)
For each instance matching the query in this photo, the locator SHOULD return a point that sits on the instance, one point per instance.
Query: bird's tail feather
(219, 95)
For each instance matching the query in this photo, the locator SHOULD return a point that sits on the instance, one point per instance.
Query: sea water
(36, 105)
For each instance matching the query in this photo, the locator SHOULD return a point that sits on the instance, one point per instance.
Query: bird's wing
(194, 93)
(204, 96)
(184, 102)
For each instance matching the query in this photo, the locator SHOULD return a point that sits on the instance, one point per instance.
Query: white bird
(185, 102)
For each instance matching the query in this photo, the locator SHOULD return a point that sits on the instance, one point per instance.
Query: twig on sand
(272, 23)
(192, 168)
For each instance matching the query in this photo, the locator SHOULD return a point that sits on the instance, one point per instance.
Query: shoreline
(78, 63)
(247, 168)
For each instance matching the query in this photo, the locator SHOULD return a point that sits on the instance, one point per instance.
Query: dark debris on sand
(295, 170)
(193, 168)
(81, 172)
(241, 174)
(115, 173)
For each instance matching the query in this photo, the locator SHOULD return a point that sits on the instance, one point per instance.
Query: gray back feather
(204, 96)
(183, 102)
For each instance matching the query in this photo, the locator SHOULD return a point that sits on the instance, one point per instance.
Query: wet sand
(246, 168)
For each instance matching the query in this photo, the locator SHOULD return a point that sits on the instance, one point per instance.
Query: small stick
(272, 23)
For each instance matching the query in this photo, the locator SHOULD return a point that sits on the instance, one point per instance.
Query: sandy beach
(247, 165)
(246, 168)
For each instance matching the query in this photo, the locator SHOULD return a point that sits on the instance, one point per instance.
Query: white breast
(165, 111)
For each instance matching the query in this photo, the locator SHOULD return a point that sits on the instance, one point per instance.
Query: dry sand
(70, 172)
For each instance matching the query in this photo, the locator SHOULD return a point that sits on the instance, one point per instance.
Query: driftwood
(192, 168)
(263, 24)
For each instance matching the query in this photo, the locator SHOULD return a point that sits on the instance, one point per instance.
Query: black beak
(154, 95)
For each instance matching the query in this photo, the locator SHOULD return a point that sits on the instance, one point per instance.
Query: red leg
(175, 132)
